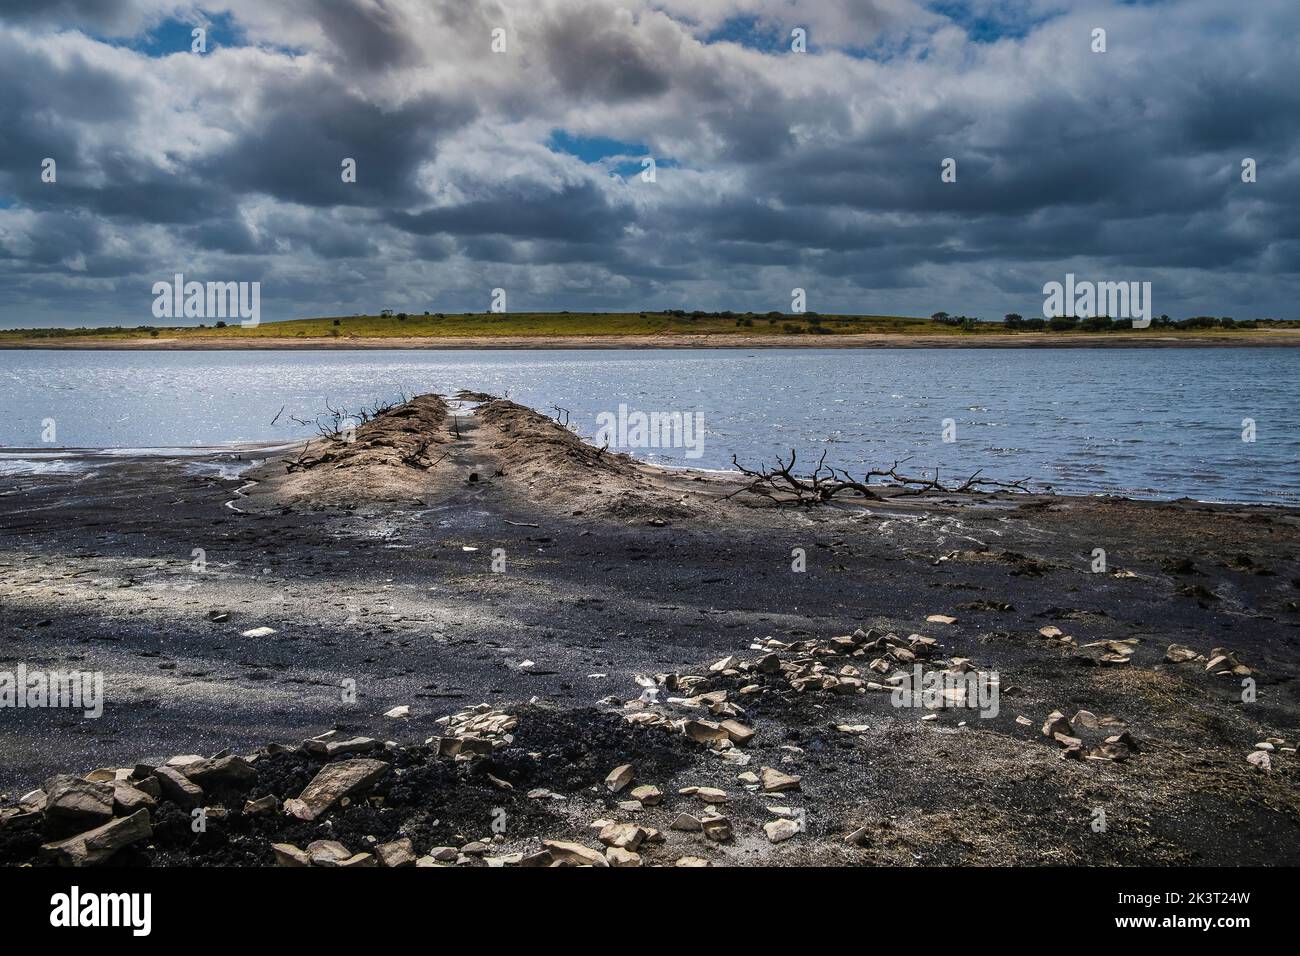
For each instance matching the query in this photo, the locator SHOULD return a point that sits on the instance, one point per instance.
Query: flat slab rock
(334, 782)
(97, 845)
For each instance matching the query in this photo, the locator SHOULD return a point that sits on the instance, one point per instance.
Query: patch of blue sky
(988, 23)
(619, 157)
(175, 35)
(755, 33)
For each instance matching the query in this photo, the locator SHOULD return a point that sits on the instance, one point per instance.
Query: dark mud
(399, 597)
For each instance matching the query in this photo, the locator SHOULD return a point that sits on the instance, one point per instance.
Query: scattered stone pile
(86, 820)
(476, 731)
(857, 663)
(1117, 747)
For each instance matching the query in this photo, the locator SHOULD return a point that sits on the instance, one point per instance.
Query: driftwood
(781, 485)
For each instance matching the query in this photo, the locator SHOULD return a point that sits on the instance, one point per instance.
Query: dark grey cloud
(776, 169)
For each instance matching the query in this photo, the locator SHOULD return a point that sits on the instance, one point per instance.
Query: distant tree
(1097, 323)
(940, 317)
(1013, 320)
(221, 325)
(1062, 323)
(338, 322)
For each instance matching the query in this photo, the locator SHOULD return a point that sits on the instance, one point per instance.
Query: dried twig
(781, 485)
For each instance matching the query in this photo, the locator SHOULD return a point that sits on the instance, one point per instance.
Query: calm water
(1156, 423)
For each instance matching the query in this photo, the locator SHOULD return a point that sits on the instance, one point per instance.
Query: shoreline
(866, 340)
(256, 454)
(373, 563)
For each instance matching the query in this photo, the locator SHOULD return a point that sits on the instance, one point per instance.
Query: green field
(566, 324)
(488, 324)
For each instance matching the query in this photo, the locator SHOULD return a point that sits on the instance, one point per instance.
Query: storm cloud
(503, 144)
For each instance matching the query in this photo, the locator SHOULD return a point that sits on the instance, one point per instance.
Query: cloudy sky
(523, 169)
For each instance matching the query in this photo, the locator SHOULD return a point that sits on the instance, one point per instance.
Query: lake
(1162, 423)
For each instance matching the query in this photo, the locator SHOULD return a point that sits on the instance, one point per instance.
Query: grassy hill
(544, 325)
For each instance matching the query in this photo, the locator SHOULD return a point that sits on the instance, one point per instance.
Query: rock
(149, 785)
(259, 632)
(726, 664)
(687, 823)
(1057, 724)
(1085, 718)
(128, 799)
(625, 836)
(354, 745)
(1224, 661)
(178, 788)
(575, 853)
(327, 852)
(398, 853)
(227, 771)
(768, 664)
(740, 734)
(779, 830)
(359, 860)
(1024, 721)
(940, 619)
(1264, 745)
(72, 801)
(334, 782)
(859, 837)
(776, 781)
(544, 858)
(97, 845)
(716, 828)
(444, 854)
(1124, 739)
(1179, 654)
(286, 854)
(707, 794)
(475, 848)
(619, 778)
(398, 712)
(692, 861)
(620, 857)
(647, 794)
(218, 617)
(705, 732)
(32, 802)
(1260, 759)
(266, 804)
(183, 760)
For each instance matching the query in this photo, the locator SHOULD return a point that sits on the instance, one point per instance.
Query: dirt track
(382, 574)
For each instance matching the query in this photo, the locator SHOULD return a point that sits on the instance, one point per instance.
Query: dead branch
(781, 485)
